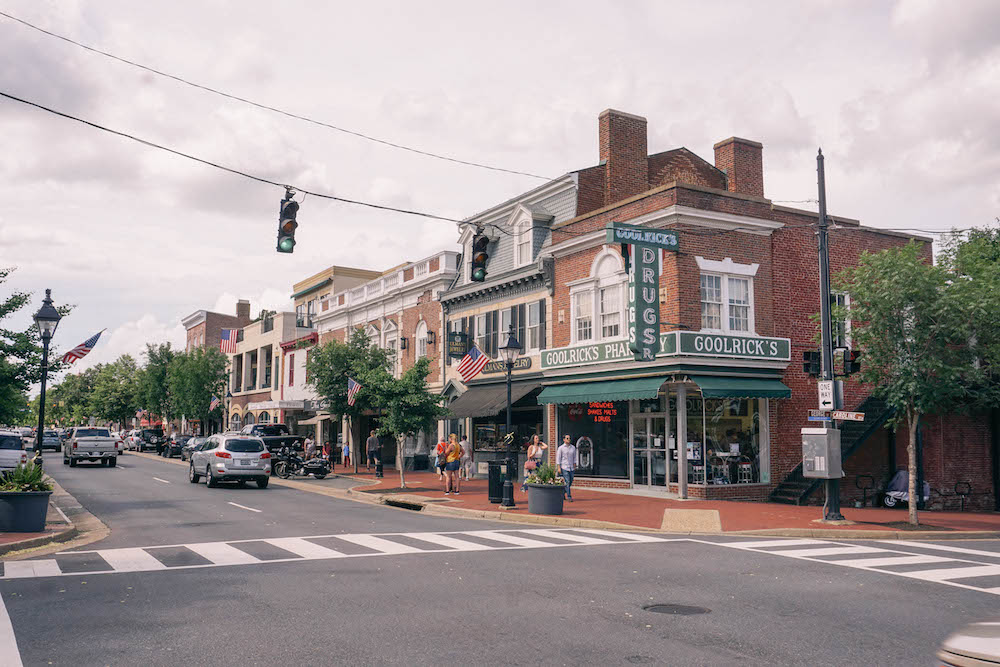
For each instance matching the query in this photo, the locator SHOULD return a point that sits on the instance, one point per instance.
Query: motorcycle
(289, 464)
(898, 490)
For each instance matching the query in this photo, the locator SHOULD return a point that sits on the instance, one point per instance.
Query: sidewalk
(67, 525)
(685, 516)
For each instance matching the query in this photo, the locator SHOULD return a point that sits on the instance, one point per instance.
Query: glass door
(640, 451)
(649, 451)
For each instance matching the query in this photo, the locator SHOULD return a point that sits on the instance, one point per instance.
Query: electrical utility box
(821, 453)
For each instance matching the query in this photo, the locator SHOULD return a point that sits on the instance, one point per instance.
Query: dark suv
(175, 445)
(152, 438)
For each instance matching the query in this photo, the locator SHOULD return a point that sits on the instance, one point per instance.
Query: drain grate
(406, 505)
(676, 609)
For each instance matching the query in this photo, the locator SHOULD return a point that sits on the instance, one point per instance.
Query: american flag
(81, 350)
(352, 390)
(227, 341)
(472, 363)
(214, 404)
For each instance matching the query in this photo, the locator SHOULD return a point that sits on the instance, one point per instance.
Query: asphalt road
(433, 605)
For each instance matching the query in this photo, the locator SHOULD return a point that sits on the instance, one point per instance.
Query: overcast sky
(902, 96)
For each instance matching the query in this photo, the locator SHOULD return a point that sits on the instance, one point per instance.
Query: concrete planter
(545, 498)
(23, 511)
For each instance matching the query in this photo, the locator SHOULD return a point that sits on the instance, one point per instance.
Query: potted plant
(545, 491)
(24, 500)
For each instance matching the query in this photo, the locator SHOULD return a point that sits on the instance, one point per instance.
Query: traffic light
(852, 361)
(287, 224)
(811, 362)
(479, 257)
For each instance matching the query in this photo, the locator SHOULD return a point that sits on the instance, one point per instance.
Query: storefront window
(600, 432)
(732, 437)
(488, 432)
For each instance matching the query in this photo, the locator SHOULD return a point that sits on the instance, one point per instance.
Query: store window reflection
(732, 440)
(600, 432)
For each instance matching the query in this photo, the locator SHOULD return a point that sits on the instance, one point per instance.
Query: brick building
(307, 294)
(736, 300)
(204, 326)
(401, 312)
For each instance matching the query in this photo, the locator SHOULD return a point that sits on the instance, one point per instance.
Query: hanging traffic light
(479, 256)
(287, 223)
(811, 362)
(852, 361)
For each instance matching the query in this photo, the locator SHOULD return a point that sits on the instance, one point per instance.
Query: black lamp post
(509, 351)
(47, 318)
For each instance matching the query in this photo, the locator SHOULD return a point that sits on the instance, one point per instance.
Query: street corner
(68, 525)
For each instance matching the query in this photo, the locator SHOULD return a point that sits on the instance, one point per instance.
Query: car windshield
(93, 433)
(244, 446)
(51, 434)
(10, 442)
(196, 441)
(182, 438)
(279, 429)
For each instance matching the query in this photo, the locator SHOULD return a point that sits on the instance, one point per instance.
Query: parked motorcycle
(290, 464)
(898, 490)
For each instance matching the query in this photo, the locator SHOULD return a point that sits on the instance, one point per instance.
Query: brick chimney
(741, 160)
(622, 139)
(243, 312)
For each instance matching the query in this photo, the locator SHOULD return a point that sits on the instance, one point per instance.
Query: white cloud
(129, 338)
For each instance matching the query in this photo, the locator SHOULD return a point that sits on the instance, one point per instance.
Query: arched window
(421, 336)
(265, 418)
(374, 335)
(235, 423)
(392, 346)
(248, 419)
(598, 302)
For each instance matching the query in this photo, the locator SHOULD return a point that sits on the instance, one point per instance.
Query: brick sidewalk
(646, 512)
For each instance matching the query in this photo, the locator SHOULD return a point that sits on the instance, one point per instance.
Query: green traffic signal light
(286, 244)
(479, 275)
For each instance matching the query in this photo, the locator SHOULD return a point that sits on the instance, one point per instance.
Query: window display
(600, 432)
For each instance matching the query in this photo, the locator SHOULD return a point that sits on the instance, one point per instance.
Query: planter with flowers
(24, 500)
(545, 491)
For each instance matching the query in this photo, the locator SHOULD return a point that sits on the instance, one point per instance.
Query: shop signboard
(458, 344)
(674, 343)
(520, 364)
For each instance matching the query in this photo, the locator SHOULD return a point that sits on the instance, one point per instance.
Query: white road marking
(772, 543)
(829, 551)
(450, 542)
(379, 544)
(244, 507)
(221, 553)
(304, 548)
(947, 574)
(633, 537)
(130, 560)
(944, 547)
(891, 560)
(9, 654)
(161, 480)
(20, 569)
(61, 513)
(579, 539)
(516, 540)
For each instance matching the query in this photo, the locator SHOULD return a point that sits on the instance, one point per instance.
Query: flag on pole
(214, 404)
(81, 350)
(352, 390)
(227, 341)
(472, 363)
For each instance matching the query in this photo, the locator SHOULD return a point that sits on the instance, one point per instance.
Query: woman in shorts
(452, 457)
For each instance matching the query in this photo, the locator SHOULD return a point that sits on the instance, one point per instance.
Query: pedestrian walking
(439, 458)
(347, 454)
(566, 462)
(453, 456)
(465, 465)
(373, 447)
(536, 454)
(310, 448)
(328, 452)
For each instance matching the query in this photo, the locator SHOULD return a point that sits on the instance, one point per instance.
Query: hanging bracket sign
(644, 283)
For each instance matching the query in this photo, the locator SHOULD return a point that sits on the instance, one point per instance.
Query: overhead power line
(267, 107)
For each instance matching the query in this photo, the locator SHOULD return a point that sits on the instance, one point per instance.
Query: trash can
(495, 482)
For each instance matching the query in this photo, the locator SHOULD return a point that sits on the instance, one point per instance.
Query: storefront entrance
(649, 451)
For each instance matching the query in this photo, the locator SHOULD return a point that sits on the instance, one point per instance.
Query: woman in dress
(536, 454)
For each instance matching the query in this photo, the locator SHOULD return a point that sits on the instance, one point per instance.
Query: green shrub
(545, 474)
(27, 477)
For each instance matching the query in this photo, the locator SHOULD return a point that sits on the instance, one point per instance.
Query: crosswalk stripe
(949, 574)
(943, 547)
(632, 537)
(447, 541)
(579, 539)
(304, 548)
(221, 553)
(890, 561)
(18, 569)
(772, 543)
(379, 544)
(828, 551)
(497, 536)
(130, 560)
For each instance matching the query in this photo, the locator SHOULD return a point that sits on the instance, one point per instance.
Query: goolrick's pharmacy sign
(673, 344)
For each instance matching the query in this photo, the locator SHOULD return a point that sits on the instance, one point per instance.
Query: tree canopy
(193, 378)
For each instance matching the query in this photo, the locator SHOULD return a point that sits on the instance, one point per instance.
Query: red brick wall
(430, 311)
(434, 264)
(622, 139)
(408, 274)
(742, 161)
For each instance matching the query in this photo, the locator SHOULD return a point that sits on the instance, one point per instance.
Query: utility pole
(832, 485)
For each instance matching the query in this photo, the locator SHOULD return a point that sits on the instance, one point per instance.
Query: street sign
(825, 388)
(844, 415)
(819, 416)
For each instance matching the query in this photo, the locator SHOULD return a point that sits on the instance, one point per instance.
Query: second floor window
(291, 370)
(535, 324)
(726, 303)
(583, 316)
(481, 333)
(611, 311)
(421, 336)
(842, 327)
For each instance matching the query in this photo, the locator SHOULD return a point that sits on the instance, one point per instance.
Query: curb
(435, 509)
(85, 528)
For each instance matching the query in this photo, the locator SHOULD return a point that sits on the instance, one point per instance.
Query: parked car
(12, 452)
(91, 443)
(27, 434)
(231, 458)
(975, 645)
(274, 436)
(192, 444)
(174, 445)
(151, 438)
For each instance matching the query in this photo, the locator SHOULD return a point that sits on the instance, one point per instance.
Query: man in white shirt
(566, 461)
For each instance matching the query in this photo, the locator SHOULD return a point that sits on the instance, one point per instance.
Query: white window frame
(846, 299)
(724, 270)
(504, 321)
(590, 288)
(391, 345)
(579, 300)
(421, 337)
(537, 327)
(523, 243)
(480, 331)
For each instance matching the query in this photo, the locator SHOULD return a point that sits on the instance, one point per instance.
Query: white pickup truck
(91, 443)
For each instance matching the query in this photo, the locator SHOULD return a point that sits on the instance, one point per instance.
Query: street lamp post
(47, 318)
(510, 350)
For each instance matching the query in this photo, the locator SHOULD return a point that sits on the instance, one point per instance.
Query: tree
(115, 396)
(193, 378)
(332, 363)
(908, 319)
(409, 408)
(154, 391)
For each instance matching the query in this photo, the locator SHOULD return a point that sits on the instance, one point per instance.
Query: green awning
(724, 387)
(608, 390)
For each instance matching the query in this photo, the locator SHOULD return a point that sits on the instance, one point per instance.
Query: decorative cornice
(497, 291)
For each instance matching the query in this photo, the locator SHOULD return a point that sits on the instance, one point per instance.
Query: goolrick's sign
(675, 343)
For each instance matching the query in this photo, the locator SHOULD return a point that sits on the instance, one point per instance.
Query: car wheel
(193, 477)
(113, 461)
(72, 463)
(262, 482)
(211, 481)
(319, 476)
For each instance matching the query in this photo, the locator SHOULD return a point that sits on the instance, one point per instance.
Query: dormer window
(524, 234)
